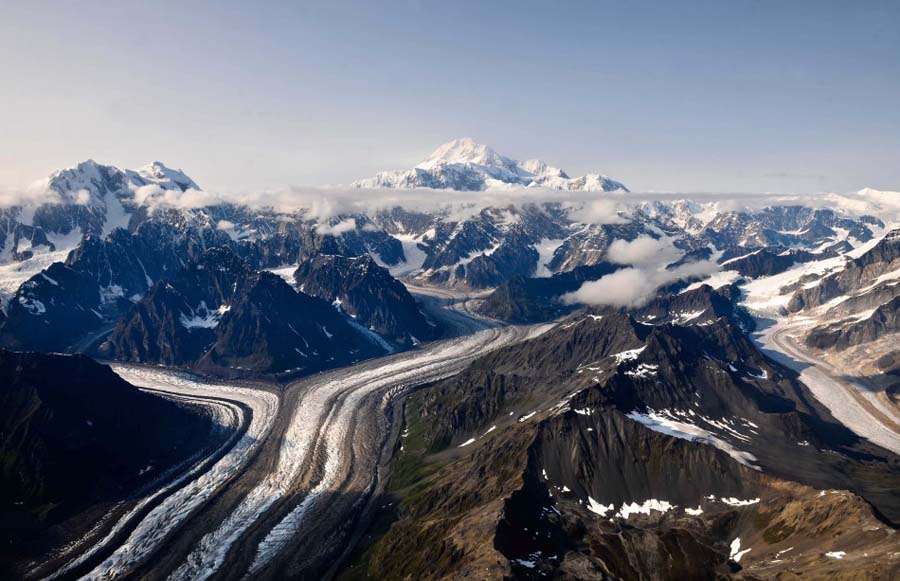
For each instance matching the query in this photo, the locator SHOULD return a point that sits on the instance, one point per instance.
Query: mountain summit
(89, 182)
(463, 164)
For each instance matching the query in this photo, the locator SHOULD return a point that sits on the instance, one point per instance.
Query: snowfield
(679, 426)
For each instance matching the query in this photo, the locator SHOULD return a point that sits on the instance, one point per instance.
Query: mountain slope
(369, 294)
(75, 435)
(219, 313)
(607, 448)
(52, 310)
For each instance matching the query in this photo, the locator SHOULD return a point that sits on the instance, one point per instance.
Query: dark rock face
(399, 220)
(514, 257)
(856, 274)
(51, 311)
(784, 226)
(219, 313)
(345, 236)
(272, 251)
(75, 434)
(883, 321)
(99, 281)
(454, 242)
(490, 247)
(768, 261)
(23, 240)
(363, 237)
(589, 245)
(369, 294)
(153, 331)
(273, 328)
(699, 306)
(131, 262)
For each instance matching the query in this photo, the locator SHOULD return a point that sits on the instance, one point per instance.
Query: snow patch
(598, 508)
(629, 355)
(736, 552)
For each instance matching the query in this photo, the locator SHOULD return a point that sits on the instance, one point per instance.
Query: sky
(690, 96)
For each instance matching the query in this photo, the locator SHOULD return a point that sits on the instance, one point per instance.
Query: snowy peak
(539, 168)
(465, 151)
(85, 184)
(463, 164)
(89, 182)
(166, 177)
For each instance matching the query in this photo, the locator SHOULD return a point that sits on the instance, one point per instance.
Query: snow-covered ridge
(89, 183)
(463, 164)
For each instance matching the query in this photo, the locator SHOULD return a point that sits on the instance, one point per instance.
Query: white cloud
(338, 228)
(601, 211)
(81, 197)
(643, 250)
(35, 194)
(634, 286)
(156, 197)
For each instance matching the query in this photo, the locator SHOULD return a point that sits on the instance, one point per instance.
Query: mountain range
(695, 388)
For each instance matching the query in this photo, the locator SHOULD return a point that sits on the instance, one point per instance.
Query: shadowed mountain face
(219, 313)
(612, 448)
(369, 294)
(52, 310)
(76, 436)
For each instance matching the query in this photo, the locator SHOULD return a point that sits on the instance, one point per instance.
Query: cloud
(156, 197)
(635, 286)
(602, 211)
(35, 194)
(643, 250)
(323, 203)
(225, 225)
(336, 229)
(81, 198)
(628, 287)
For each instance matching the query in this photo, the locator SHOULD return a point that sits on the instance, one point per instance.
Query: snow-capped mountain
(89, 182)
(97, 198)
(463, 164)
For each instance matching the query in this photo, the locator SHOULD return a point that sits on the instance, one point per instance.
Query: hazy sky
(689, 96)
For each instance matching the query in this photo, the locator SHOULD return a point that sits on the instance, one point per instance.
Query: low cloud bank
(323, 203)
(587, 207)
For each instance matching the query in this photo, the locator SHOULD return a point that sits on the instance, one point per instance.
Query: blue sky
(686, 96)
